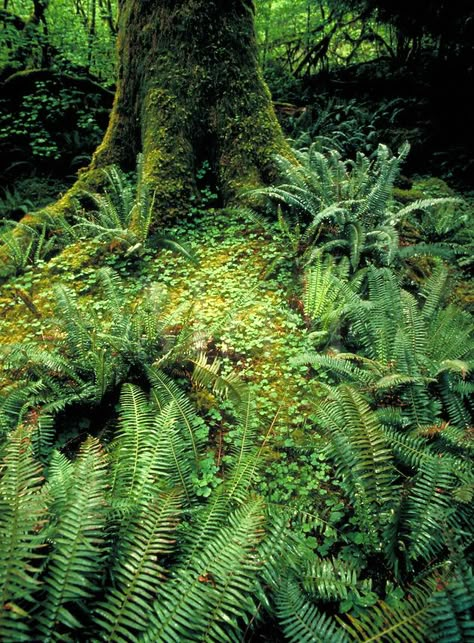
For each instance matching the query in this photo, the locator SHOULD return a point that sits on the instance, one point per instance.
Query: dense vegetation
(252, 422)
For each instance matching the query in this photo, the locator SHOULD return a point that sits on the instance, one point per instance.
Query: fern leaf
(22, 517)
(362, 455)
(408, 621)
(210, 375)
(427, 509)
(301, 621)
(123, 613)
(329, 579)
(213, 597)
(132, 442)
(451, 608)
(165, 391)
(75, 561)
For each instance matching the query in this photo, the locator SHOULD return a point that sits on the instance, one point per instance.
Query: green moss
(77, 256)
(433, 187)
(407, 196)
(168, 168)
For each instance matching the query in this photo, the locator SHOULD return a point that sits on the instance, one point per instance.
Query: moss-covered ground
(237, 295)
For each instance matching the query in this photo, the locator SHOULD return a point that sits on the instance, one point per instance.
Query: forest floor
(236, 296)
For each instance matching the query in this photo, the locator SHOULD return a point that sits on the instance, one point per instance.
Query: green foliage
(27, 246)
(326, 299)
(406, 379)
(301, 620)
(199, 571)
(23, 510)
(40, 116)
(67, 36)
(27, 195)
(72, 572)
(451, 607)
(122, 218)
(363, 457)
(409, 620)
(420, 354)
(345, 207)
(187, 550)
(348, 126)
(94, 349)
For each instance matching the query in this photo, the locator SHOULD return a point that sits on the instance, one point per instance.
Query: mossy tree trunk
(189, 90)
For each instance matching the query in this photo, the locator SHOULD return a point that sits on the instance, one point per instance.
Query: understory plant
(345, 207)
(88, 351)
(121, 215)
(115, 543)
(147, 526)
(397, 416)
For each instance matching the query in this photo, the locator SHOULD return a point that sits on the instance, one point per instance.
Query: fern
(301, 620)
(149, 537)
(23, 506)
(451, 607)
(354, 197)
(131, 448)
(212, 597)
(362, 455)
(73, 569)
(123, 217)
(329, 579)
(407, 621)
(427, 509)
(326, 298)
(165, 391)
(210, 376)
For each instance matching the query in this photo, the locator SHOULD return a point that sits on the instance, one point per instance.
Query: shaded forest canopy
(236, 391)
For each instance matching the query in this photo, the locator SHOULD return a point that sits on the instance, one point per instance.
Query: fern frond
(23, 506)
(412, 450)
(74, 564)
(423, 204)
(15, 401)
(328, 579)
(131, 447)
(451, 608)
(165, 391)
(177, 246)
(407, 621)
(301, 620)
(427, 509)
(433, 291)
(362, 454)
(170, 459)
(342, 364)
(357, 237)
(123, 613)
(450, 332)
(209, 375)
(42, 435)
(325, 296)
(385, 171)
(213, 597)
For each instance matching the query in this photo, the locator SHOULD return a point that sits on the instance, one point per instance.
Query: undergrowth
(276, 434)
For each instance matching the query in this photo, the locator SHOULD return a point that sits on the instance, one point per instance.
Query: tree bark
(189, 90)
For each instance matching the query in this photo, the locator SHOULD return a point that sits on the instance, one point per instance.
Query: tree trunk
(189, 90)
